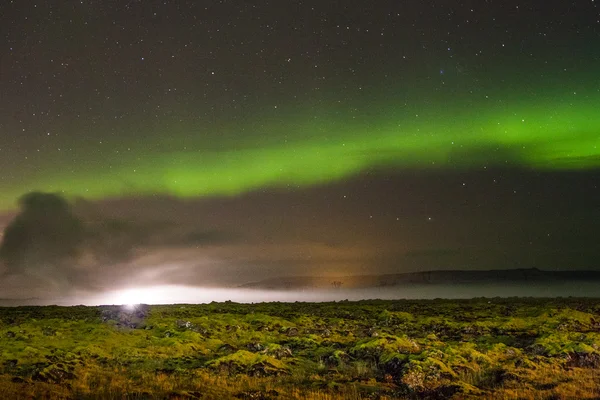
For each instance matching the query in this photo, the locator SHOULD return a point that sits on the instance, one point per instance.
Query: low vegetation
(480, 348)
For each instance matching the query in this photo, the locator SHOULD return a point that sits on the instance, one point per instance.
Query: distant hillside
(428, 277)
(21, 302)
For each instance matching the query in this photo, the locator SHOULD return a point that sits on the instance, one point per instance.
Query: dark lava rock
(53, 374)
(257, 395)
(447, 391)
(257, 369)
(332, 343)
(17, 379)
(583, 360)
(255, 347)
(439, 393)
(546, 386)
(126, 317)
(279, 353)
(371, 332)
(188, 325)
(394, 368)
(181, 324)
(165, 371)
(537, 349)
(10, 334)
(292, 332)
(524, 341)
(227, 349)
(169, 334)
(334, 360)
(496, 377)
(181, 395)
(47, 331)
(263, 369)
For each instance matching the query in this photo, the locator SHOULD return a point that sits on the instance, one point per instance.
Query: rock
(10, 334)
(279, 353)
(371, 332)
(184, 324)
(227, 349)
(394, 368)
(263, 369)
(546, 386)
(583, 360)
(337, 358)
(537, 349)
(180, 395)
(257, 395)
(47, 331)
(53, 374)
(447, 391)
(292, 332)
(255, 347)
(169, 334)
(262, 328)
(125, 317)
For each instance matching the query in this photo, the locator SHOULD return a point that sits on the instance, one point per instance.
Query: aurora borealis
(256, 117)
(545, 135)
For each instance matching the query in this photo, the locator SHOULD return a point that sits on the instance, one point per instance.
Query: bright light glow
(148, 295)
(174, 294)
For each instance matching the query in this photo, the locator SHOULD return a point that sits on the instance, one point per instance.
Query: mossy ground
(480, 348)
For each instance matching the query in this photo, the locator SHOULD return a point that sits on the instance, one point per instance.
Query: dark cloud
(45, 233)
(64, 246)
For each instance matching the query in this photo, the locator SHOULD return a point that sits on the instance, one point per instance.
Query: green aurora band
(536, 134)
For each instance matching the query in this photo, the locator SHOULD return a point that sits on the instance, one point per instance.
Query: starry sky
(226, 141)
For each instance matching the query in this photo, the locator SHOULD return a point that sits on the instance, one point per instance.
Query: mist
(178, 294)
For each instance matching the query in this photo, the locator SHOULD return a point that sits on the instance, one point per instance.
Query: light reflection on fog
(184, 294)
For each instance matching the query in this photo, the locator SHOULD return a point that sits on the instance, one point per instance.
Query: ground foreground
(480, 348)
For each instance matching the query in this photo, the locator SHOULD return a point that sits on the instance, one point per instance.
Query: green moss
(467, 348)
(243, 361)
(384, 348)
(568, 342)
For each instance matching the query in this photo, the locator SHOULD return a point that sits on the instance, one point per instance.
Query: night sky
(222, 142)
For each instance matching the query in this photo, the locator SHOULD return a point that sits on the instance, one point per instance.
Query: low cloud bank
(177, 294)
